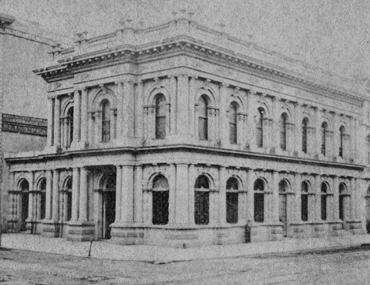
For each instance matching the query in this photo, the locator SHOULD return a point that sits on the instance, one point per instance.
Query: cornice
(182, 147)
(137, 54)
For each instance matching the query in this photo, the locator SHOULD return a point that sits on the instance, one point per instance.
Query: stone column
(172, 194)
(297, 198)
(250, 194)
(76, 116)
(192, 118)
(182, 104)
(139, 109)
(31, 197)
(129, 107)
(274, 202)
(353, 198)
(274, 141)
(75, 193)
(127, 193)
(57, 122)
(55, 197)
(173, 119)
(138, 195)
(317, 132)
(335, 198)
(222, 195)
(120, 96)
(84, 99)
(317, 206)
(191, 195)
(83, 201)
(48, 194)
(50, 129)
(224, 136)
(118, 193)
(182, 190)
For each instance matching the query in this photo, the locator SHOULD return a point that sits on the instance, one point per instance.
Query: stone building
(23, 121)
(181, 134)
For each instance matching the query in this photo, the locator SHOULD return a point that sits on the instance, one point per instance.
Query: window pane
(259, 207)
(232, 207)
(323, 207)
(160, 127)
(160, 207)
(203, 129)
(232, 134)
(106, 131)
(304, 136)
(341, 207)
(69, 206)
(304, 209)
(201, 208)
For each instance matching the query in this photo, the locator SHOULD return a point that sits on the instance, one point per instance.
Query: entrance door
(24, 211)
(109, 212)
(283, 212)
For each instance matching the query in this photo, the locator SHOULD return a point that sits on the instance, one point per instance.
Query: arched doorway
(24, 187)
(283, 209)
(108, 205)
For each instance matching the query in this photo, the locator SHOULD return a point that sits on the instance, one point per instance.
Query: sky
(331, 34)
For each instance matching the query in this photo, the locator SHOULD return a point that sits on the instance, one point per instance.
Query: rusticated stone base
(81, 231)
(50, 228)
(355, 227)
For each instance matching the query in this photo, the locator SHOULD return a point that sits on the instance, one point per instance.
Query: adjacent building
(180, 134)
(23, 120)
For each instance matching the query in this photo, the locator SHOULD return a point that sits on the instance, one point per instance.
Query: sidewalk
(107, 250)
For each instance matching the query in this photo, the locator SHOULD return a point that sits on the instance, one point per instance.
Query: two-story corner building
(180, 134)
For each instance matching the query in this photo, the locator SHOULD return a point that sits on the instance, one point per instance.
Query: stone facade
(179, 135)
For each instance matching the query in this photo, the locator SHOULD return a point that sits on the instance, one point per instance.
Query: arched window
(42, 187)
(368, 150)
(68, 127)
(304, 201)
(160, 200)
(203, 118)
(259, 200)
(283, 206)
(304, 135)
(106, 121)
(324, 192)
(283, 131)
(342, 196)
(160, 117)
(324, 134)
(232, 200)
(201, 201)
(341, 141)
(24, 187)
(259, 129)
(233, 113)
(68, 200)
(368, 210)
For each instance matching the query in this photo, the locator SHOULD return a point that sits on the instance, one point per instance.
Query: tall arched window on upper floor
(259, 127)
(67, 125)
(106, 121)
(305, 135)
(160, 200)
(201, 201)
(259, 200)
(283, 131)
(160, 116)
(324, 137)
(203, 118)
(233, 114)
(232, 200)
(342, 134)
(304, 201)
(368, 149)
(324, 193)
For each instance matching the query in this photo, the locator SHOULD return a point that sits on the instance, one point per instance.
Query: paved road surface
(340, 267)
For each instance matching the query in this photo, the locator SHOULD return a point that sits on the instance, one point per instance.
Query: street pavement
(157, 254)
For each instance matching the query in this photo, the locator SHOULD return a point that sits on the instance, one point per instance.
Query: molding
(24, 125)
